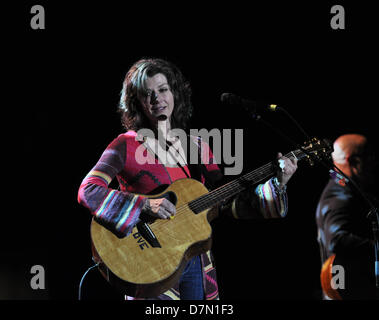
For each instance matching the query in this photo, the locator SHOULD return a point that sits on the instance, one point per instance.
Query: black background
(64, 83)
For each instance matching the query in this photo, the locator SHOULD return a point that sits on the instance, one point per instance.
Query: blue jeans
(191, 281)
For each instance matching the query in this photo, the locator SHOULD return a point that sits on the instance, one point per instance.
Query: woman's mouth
(158, 108)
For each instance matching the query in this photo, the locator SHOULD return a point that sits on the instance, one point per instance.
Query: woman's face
(158, 102)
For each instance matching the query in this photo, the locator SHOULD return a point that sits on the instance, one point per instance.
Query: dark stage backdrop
(64, 84)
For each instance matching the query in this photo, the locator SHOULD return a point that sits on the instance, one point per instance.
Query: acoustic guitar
(150, 260)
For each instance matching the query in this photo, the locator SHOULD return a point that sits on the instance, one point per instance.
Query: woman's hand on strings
(160, 208)
(287, 167)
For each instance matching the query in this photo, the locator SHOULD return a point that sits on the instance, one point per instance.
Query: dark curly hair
(132, 115)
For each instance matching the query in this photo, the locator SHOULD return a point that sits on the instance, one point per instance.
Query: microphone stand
(257, 117)
(373, 211)
(374, 216)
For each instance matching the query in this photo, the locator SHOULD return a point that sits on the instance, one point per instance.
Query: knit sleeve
(273, 203)
(116, 210)
(263, 202)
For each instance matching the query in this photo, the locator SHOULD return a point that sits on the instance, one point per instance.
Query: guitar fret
(232, 188)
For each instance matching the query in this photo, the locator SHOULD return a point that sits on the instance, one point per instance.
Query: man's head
(353, 156)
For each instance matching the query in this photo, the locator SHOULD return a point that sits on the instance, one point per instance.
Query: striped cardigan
(119, 210)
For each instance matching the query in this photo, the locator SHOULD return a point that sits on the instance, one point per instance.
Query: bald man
(344, 232)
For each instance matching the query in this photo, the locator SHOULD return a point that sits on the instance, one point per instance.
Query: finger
(161, 213)
(164, 213)
(168, 206)
(293, 158)
(290, 162)
(279, 155)
(290, 167)
(293, 161)
(155, 204)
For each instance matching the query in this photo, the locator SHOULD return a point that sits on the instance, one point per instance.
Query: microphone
(232, 99)
(161, 117)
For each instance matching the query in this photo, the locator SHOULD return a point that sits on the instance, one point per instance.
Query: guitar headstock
(317, 150)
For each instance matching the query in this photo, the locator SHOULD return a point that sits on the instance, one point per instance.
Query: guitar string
(233, 186)
(229, 189)
(261, 172)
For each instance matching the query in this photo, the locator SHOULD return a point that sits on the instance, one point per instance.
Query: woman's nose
(154, 97)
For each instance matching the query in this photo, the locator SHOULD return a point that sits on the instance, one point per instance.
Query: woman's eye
(148, 94)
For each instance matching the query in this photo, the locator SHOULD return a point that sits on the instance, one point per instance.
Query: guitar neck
(238, 185)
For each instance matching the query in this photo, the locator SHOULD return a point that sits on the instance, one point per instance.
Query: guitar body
(141, 270)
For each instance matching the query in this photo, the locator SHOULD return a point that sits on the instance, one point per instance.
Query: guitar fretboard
(238, 185)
